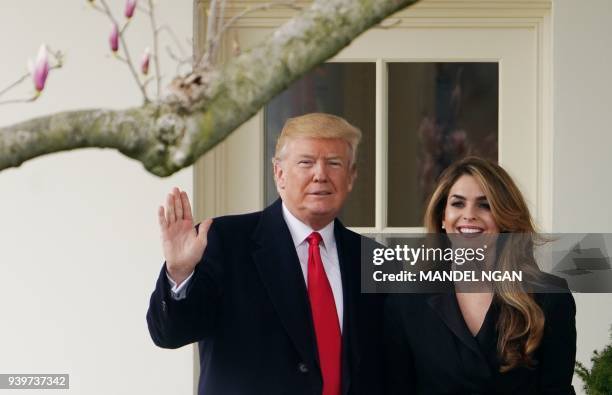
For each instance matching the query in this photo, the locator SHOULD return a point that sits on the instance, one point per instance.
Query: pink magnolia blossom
(130, 6)
(144, 62)
(40, 69)
(113, 39)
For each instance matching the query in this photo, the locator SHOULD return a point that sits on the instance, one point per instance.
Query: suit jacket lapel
(447, 309)
(280, 272)
(348, 257)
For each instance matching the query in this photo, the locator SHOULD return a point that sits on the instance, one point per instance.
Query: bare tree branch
(180, 62)
(16, 83)
(128, 59)
(151, 12)
(23, 100)
(204, 107)
(177, 42)
(206, 62)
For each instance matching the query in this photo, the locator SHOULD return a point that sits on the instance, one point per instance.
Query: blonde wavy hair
(521, 320)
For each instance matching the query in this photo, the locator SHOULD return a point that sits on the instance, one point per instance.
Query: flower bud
(113, 39)
(40, 69)
(130, 6)
(144, 63)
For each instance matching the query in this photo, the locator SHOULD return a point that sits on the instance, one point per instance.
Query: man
(275, 301)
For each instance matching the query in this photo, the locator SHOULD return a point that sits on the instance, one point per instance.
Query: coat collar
(278, 266)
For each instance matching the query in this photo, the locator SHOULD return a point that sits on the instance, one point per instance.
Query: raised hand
(183, 246)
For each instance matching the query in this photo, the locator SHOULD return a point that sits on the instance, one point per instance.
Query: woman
(497, 340)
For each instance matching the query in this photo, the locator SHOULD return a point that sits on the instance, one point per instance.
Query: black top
(430, 350)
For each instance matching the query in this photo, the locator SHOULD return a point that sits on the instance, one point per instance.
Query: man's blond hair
(319, 125)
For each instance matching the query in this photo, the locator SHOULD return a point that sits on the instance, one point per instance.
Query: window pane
(438, 113)
(344, 89)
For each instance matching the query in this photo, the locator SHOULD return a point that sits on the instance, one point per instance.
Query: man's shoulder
(353, 237)
(237, 222)
(348, 234)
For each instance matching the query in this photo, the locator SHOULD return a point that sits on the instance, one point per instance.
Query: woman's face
(467, 210)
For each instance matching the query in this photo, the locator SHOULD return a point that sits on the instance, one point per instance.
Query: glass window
(437, 114)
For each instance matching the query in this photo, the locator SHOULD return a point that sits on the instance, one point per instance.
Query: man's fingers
(170, 216)
(161, 217)
(186, 206)
(203, 229)
(178, 205)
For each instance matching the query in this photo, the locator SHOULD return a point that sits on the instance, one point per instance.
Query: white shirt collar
(300, 231)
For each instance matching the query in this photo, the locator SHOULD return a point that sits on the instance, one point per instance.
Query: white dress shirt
(329, 254)
(299, 233)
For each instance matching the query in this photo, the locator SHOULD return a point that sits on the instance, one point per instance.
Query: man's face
(314, 177)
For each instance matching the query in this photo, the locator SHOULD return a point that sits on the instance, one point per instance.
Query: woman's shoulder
(548, 283)
(553, 295)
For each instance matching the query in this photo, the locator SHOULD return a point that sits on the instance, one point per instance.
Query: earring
(443, 225)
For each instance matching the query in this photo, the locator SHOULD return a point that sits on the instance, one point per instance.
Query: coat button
(302, 367)
(163, 306)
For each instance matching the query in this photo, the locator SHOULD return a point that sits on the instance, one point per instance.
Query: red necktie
(324, 317)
